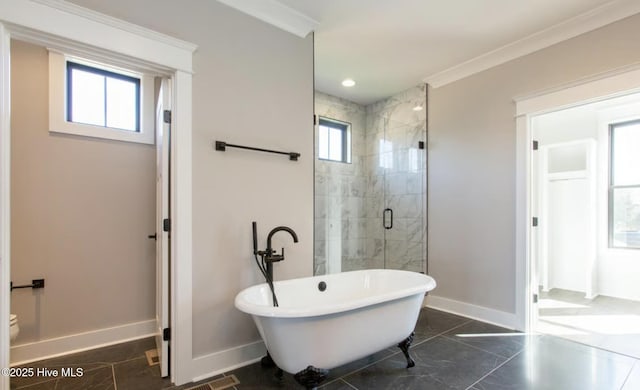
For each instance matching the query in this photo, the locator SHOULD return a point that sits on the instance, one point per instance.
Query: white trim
(58, 122)
(480, 313)
(61, 21)
(616, 84)
(162, 293)
(606, 85)
(5, 205)
(523, 289)
(181, 280)
(45, 349)
(276, 14)
(58, 24)
(120, 24)
(223, 361)
(567, 175)
(580, 24)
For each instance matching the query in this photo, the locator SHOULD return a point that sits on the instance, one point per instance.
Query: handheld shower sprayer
(255, 238)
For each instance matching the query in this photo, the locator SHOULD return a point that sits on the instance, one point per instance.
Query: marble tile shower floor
(451, 352)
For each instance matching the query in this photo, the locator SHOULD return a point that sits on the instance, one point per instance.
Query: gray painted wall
(472, 160)
(81, 212)
(253, 85)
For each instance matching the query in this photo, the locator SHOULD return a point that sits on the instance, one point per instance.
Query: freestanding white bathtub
(327, 321)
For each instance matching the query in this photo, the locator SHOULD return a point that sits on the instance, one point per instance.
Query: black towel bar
(222, 146)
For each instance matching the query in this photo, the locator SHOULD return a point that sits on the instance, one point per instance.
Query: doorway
(585, 199)
(73, 28)
(82, 208)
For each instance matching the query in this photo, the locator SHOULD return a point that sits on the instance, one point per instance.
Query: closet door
(567, 246)
(568, 231)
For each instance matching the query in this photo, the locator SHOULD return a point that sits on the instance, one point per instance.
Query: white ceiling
(387, 46)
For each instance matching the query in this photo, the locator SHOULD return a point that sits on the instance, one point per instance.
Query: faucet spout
(274, 231)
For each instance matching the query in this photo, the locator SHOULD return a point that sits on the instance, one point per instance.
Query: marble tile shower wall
(387, 170)
(340, 225)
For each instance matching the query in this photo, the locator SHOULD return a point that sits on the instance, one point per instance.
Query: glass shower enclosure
(370, 212)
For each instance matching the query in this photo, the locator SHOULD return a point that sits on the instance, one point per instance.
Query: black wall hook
(35, 284)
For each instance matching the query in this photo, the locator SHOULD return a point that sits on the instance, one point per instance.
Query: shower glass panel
(371, 213)
(397, 134)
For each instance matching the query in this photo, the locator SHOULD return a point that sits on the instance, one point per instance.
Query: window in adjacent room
(92, 99)
(334, 140)
(624, 185)
(102, 98)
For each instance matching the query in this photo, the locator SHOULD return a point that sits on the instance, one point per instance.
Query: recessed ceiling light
(348, 83)
(417, 108)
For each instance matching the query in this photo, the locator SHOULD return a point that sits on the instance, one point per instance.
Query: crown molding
(65, 26)
(583, 23)
(276, 14)
(89, 14)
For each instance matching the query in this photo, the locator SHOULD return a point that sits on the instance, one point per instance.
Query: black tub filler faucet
(268, 257)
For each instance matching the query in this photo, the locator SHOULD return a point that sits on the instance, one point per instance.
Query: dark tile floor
(118, 367)
(451, 352)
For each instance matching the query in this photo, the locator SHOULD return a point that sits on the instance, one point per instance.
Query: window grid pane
(121, 104)
(87, 102)
(626, 159)
(323, 143)
(335, 144)
(626, 217)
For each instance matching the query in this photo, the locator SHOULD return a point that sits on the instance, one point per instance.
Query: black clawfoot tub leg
(404, 346)
(267, 361)
(311, 377)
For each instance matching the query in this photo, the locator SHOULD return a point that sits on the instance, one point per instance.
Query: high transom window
(102, 98)
(94, 99)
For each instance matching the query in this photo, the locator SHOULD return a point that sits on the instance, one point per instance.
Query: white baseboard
(480, 313)
(220, 362)
(29, 352)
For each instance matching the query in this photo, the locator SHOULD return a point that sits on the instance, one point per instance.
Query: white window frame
(58, 122)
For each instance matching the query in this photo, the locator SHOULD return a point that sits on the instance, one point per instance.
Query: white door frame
(163, 143)
(604, 86)
(54, 23)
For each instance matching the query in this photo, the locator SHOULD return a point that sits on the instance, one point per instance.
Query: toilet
(14, 329)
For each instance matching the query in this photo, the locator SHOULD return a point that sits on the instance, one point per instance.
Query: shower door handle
(388, 225)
